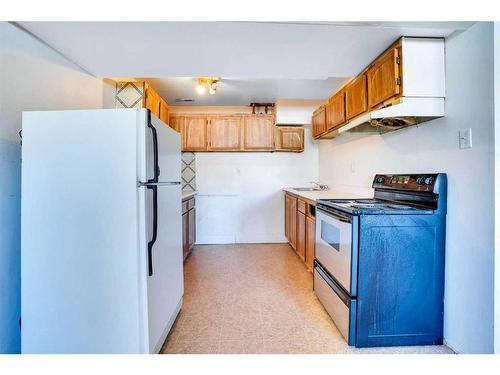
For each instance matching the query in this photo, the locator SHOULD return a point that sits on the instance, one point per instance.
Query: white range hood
(410, 111)
(295, 112)
(423, 90)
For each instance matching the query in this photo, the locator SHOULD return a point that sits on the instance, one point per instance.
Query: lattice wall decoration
(188, 171)
(129, 95)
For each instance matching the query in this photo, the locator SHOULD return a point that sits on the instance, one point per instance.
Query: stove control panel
(413, 182)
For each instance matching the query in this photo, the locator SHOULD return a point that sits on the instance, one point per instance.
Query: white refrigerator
(101, 231)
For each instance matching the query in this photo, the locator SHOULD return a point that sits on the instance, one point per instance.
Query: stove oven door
(336, 247)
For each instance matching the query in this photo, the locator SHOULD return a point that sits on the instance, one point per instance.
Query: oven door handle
(343, 219)
(338, 216)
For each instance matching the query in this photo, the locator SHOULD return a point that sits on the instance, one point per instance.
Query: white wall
(239, 194)
(497, 186)
(33, 77)
(352, 160)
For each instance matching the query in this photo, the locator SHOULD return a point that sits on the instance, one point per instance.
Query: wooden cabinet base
(300, 227)
(188, 226)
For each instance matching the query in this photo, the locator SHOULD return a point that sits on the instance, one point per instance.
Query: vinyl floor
(257, 299)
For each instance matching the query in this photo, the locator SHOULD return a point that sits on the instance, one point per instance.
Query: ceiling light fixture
(207, 83)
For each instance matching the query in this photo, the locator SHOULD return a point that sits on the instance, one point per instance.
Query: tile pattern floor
(256, 298)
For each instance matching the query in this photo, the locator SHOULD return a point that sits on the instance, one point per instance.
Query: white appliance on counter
(101, 253)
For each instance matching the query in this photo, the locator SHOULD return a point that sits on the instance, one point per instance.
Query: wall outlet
(465, 138)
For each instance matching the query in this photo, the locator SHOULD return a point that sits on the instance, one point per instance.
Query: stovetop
(373, 207)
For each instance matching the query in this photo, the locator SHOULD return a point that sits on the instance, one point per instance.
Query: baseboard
(165, 333)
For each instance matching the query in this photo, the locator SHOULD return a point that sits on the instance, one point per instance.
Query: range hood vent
(423, 90)
(409, 112)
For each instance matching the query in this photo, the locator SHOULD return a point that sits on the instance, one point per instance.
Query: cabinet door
(319, 122)
(224, 134)
(164, 112)
(356, 100)
(383, 78)
(192, 228)
(335, 111)
(289, 139)
(310, 241)
(152, 101)
(194, 134)
(301, 235)
(258, 133)
(287, 216)
(292, 219)
(175, 122)
(185, 234)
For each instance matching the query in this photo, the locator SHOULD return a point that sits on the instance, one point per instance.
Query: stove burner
(370, 205)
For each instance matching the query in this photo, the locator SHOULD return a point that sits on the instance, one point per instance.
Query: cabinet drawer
(301, 206)
(185, 207)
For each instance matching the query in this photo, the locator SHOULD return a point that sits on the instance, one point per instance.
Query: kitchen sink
(306, 189)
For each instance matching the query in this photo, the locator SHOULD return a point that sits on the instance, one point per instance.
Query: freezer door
(165, 261)
(162, 148)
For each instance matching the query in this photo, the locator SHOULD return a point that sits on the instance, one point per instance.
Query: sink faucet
(319, 186)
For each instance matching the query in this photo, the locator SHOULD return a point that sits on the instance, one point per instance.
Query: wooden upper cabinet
(152, 100)
(289, 139)
(383, 78)
(258, 133)
(335, 111)
(175, 122)
(164, 112)
(224, 133)
(319, 121)
(194, 133)
(356, 99)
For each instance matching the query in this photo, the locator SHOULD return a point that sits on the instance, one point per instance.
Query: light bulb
(201, 88)
(212, 88)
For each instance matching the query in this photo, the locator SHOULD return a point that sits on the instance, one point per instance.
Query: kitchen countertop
(188, 194)
(335, 193)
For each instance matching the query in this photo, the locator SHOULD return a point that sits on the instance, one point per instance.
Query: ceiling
(242, 91)
(275, 59)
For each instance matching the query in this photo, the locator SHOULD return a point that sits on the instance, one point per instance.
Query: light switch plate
(465, 138)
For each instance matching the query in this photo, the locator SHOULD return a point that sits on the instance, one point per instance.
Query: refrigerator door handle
(156, 172)
(146, 184)
(154, 188)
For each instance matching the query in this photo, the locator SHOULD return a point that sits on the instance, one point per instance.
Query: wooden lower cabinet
(192, 227)
(310, 241)
(188, 226)
(291, 219)
(301, 235)
(300, 227)
(185, 234)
